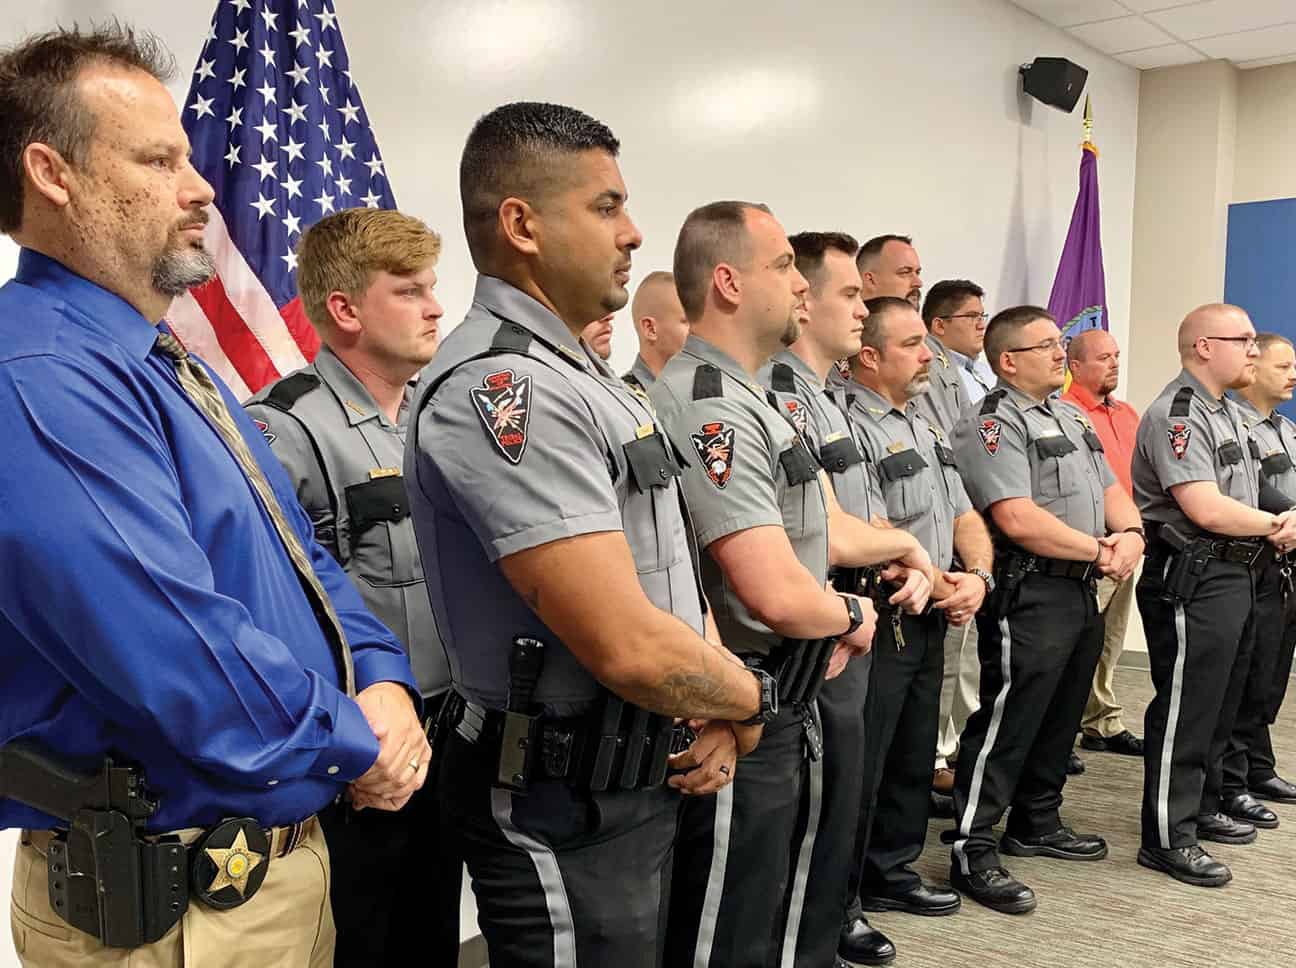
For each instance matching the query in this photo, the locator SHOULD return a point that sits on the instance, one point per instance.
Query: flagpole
(1088, 128)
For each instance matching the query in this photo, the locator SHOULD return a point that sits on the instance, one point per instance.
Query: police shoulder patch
(1179, 435)
(503, 402)
(798, 415)
(990, 430)
(264, 427)
(715, 446)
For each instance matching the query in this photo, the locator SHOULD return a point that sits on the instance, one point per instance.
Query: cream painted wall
(1266, 137)
(863, 116)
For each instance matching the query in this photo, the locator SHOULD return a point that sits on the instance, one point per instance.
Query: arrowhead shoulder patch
(990, 432)
(715, 446)
(798, 415)
(1179, 434)
(503, 402)
(264, 427)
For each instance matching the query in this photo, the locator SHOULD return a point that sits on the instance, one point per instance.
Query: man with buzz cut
(367, 279)
(661, 326)
(1034, 468)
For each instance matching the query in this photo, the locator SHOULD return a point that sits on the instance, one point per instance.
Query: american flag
(278, 128)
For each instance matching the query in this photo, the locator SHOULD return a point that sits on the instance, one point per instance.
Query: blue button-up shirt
(977, 377)
(148, 609)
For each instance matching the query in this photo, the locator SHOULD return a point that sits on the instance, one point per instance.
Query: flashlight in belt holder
(520, 743)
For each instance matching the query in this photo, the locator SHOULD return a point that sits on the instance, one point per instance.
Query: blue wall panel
(1260, 267)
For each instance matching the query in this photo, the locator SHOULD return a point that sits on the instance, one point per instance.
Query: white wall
(861, 115)
(857, 117)
(1266, 138)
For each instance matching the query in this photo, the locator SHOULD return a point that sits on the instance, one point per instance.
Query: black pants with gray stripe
(901, 724)
(841, 704)
(1249, 757)
(1037, 664)
(1200, 653)
(563, 877)
(737, 859)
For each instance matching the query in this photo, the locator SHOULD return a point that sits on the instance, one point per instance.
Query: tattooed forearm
(716, 689)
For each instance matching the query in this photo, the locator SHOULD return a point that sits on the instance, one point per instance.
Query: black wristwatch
(769, 703)
(856, 613)
(985, 576)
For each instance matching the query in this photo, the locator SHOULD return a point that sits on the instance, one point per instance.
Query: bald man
(1198, 487)
(661, 326)
(1094, 360)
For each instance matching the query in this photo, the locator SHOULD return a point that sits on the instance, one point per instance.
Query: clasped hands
(404, 755)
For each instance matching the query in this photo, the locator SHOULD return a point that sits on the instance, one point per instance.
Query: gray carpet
(1115, 913)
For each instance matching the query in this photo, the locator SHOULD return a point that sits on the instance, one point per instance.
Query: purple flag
(1079, 298)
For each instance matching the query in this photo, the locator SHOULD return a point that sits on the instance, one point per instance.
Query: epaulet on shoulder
(285, 394)
(708, 381)
(1182, 401)
(782, 379)
(991, 402)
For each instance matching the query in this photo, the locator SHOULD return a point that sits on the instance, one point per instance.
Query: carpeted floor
(1115, 914)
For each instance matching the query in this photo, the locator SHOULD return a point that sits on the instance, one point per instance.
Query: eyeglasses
(981, 316)
(1250, 341)
(1048, 346)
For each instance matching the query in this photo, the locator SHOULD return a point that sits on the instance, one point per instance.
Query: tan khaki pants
(959, 696)
(1102, 715)
(288, 922)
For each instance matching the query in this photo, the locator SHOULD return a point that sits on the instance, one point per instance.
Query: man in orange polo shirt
(1094, 359)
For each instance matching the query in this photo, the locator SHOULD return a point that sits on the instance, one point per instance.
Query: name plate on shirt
(378, 472)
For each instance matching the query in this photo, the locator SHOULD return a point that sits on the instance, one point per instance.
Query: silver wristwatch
(985, 576)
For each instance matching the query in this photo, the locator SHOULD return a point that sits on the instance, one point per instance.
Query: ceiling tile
(1163, 56)
(1121, 34)
(1223, 17)
(1267, 61)
(1065, 13)
(1251, 45)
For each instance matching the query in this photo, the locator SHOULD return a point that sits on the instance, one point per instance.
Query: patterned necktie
(198, 385)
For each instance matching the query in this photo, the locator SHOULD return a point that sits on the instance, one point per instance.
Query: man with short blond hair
(1094, 361)
(366, 278)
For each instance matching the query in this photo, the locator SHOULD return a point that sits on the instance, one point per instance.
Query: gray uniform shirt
(819, 414)
(1014, 446)
(1275, 446)
(514, 446)
(748, 467)
(945, 399)
(640, 374)
(344, 457)
(911, 465)
(1201, 438)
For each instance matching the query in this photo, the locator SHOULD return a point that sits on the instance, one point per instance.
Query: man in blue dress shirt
(150, 607)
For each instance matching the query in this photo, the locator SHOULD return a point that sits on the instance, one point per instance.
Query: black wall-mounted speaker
(1054, 80)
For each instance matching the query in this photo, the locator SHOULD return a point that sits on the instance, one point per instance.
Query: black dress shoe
(1192, 865)
(996, 889)
(1063, 844)
(1275, 789)
(1124, 742)
(863, 944)
(1225, 830)
(931, 901)
(1075, 765)
(1250, 810)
